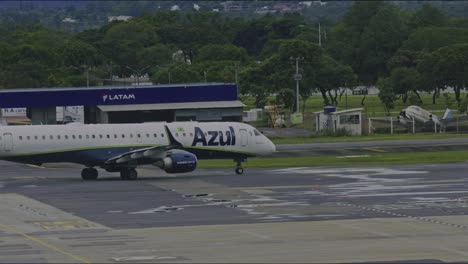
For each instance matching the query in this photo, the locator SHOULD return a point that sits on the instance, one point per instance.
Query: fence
(393, 125)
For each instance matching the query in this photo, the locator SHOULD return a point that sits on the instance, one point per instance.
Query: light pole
(86, 68)
(297, 77)
(138, 72)
(205, 72)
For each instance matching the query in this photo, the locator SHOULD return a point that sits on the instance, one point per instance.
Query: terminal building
(134, 104)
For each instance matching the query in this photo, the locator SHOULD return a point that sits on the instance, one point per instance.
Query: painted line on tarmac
(374, 149)
(419, 218)
(45, 244)
(36, 166)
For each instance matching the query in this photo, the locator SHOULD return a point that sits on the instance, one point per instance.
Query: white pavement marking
(403, 194)
(257, 235)
(143, 258)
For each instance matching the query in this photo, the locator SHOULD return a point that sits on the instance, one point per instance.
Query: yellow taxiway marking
(374, 149)
(45, 244)
(49, 225)
(36, 166)
(278, 187)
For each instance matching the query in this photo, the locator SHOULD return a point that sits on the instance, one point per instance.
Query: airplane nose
(272, 147)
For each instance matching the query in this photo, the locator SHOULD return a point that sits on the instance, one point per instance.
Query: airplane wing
(149, 153)
(152, 153)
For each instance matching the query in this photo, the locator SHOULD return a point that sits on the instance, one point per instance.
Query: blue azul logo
(214, 138)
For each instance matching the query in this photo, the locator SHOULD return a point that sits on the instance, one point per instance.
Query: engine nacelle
(178, 162)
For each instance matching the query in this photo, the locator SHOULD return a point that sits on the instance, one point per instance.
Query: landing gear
(89, 174)
(128, 174)
(239, 170)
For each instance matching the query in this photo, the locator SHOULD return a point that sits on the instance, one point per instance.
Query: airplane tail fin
(447, 114)
(172, 140)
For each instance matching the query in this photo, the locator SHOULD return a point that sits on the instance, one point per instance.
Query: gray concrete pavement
(320, 214)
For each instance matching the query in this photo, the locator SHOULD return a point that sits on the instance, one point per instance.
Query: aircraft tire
(239, 170)
(128, 174)
(89, 174)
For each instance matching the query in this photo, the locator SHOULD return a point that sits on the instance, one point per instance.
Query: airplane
(173, 147)
(421, 115)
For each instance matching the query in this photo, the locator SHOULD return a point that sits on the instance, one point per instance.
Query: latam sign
(153, 94)
(117, 97)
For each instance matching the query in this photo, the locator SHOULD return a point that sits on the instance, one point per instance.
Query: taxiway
(319, 214)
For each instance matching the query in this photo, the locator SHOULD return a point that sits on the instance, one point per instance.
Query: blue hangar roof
(151, 94)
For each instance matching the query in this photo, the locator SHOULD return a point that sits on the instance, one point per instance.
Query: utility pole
(319, 35)
(297, 77)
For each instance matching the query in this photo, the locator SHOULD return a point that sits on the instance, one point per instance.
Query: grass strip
(373, 159)
(375, 137)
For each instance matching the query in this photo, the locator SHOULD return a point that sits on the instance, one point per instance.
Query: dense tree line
(403, 52)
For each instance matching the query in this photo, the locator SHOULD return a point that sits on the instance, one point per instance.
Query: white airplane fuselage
(99, 144)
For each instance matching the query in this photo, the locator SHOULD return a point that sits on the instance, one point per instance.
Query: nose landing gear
(239, 170)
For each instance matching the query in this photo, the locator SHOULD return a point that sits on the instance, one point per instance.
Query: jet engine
(178, 162)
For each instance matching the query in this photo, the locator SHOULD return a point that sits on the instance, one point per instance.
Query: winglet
(172, 140)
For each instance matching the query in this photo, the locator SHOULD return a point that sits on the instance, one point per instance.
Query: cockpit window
(257, 133)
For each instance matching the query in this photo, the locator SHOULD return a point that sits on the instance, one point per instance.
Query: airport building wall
(176, 102)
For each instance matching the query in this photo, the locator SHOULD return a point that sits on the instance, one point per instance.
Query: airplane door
(243, 137)
(7, 142)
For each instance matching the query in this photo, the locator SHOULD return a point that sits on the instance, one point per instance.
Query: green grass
(375, 159)
(373, 137)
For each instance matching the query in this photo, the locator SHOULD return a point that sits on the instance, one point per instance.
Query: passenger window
(147, 135)
(100, 136)
(162, 135)
(93, 136)
(79, 137)
(43, 137)
(66, 136)
(191, 134)
(184, 134)
(51, 137)
(139, 135)
(131, 135)
(108, 136)
(115, 135)
(177, 134)
(155, 135)
(73, 136)
(58, 136)
(87, 136)
(35, 137)
(28, 137)
(20, 137)
(123, 135)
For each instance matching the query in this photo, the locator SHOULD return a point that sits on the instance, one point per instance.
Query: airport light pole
(297, 77)
(205, 72)
(86, 68)
(138, 72)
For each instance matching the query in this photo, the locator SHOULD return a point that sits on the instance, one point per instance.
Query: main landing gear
(89, 174)
(128, 174)
(239, 170)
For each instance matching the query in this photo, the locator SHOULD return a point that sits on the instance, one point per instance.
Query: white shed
(350, 119)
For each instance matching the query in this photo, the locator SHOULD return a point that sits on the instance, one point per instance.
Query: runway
(318, 214)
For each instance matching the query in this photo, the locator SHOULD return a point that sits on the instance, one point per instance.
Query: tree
(451, 67)
(428, 16)
(229, 52)
(386, 94)
(370, 34)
